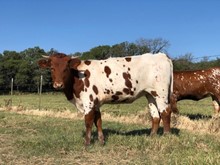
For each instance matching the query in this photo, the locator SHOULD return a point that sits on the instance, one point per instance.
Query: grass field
(55, 134)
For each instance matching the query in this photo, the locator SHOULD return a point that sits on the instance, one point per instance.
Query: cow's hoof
(86, 143)
(166, 133)
(102, 142)
(153, 134)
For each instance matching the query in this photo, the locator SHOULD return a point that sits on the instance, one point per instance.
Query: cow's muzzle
(58, 85)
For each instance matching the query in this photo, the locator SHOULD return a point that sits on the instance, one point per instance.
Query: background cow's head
(60, 66)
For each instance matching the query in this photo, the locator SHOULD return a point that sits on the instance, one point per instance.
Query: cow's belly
(195, 97)
(114, 99)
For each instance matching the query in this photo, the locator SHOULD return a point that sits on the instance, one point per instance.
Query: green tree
(1, 72)
(153, 45)
(123, 49)
(52, 51)
(23, 75)
(184, 63)
(119, 50)
(77, 54)
(31, 56)
(11, 61)
(99, 52)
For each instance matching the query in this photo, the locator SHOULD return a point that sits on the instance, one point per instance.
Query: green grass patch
(58, 102)
(47, 101)
(27, 139)
(196, 109)
(34, 139)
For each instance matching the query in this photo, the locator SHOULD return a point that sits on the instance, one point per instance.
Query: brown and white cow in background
(91, 83)
(196, 85)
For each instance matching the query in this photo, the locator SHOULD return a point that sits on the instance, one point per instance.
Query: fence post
(41, 82)
(12, 84)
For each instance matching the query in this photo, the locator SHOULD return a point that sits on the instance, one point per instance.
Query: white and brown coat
(91, 83)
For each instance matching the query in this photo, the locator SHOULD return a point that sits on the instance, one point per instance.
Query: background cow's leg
(89, 119)
(173, 102)
(98, 123)
(154, 114)
(215, 102)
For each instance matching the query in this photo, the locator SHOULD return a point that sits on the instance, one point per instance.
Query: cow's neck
(68, 90)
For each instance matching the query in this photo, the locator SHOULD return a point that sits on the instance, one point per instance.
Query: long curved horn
(45, 56)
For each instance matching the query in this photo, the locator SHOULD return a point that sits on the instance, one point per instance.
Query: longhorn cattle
(89, 84)
(196, 85)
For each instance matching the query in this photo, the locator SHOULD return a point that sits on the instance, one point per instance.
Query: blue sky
(69, 26)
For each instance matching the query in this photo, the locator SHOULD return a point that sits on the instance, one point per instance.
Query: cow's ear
(74, 63)
(44, 63)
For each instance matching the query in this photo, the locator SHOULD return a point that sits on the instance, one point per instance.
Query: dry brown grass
(203, 126)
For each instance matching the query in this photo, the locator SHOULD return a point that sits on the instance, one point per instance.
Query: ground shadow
(198, 116)
(139, 132)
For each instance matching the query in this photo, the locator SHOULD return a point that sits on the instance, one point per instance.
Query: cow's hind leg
(98, 124)
(154, 114)
(165, 113)
(89, 119)
(165, 116)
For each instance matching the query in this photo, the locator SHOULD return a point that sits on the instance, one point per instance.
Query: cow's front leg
(98, 123)
(165, 116)
(89, 119)
(155, 125)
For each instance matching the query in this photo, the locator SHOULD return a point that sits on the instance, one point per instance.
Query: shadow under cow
(139, 132)
(198, 116)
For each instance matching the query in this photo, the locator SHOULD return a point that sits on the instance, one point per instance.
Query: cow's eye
(52, 69)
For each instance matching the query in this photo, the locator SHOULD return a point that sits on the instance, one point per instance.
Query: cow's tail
(171, 82)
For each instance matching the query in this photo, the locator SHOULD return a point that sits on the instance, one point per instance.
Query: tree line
(22, 66)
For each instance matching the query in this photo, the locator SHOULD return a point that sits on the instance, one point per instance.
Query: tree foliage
(22, 67)
(154, 45)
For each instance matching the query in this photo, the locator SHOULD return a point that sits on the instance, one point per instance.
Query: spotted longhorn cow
(196, 85)
(91, 83)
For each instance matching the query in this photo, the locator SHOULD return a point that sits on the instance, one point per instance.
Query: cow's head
(60, 66)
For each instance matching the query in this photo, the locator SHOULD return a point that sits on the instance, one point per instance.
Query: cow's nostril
(58, 85)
